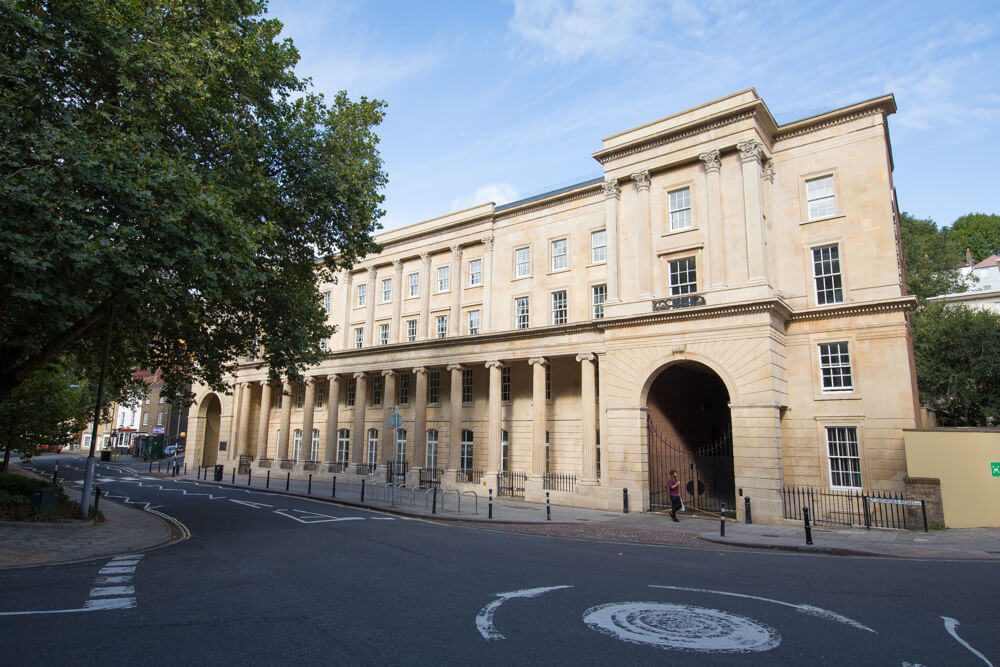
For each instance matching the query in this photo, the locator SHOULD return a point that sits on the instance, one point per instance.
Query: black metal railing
(336, 466)
(559, 482)
(430, 478)
(286, 464)
(265, 463)
(310, 466)
(844, 508)
(510, 484)
(401, 468)
(365, 468)
(469, 476)
(246, 460)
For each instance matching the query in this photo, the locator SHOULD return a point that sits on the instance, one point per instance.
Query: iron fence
(401, 468)
(469, 476)
(310, 466)
(844, 508)
(246, 460)
(286, 464)
(265, 463)
(336, 466)
(559, 482)
(510, 483)
(430, 478)
(365, 468)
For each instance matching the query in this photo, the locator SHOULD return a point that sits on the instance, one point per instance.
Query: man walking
(674, 488)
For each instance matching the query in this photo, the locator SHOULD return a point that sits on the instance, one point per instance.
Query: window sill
(675, 232)
(838, 396)
(593, 264)
(556, 271)
(824, 218)
(527, 277)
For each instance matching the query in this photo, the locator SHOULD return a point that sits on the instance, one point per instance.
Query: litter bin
(218, 473)
(46, 499)
(105, 454)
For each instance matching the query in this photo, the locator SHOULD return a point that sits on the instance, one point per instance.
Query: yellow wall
(961, 459)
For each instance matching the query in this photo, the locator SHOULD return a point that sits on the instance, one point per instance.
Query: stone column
(493, 419)
(371, 338)
(750, 153)
(455, 282)
(588, 419)
(332, 416)
(420, 417)
(611, 193)
(538, 365)
(425, 295)
(360, 401)
(286, 420)
(644, 251)
(388, 398)
(263, 419)
(348, 304)
(602, 420)
(397, 299)
(716, 240)
(455, 418)
(243, 433)
(233, 423)
(308, 408)
(486, 317)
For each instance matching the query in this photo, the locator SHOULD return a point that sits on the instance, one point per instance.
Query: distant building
(983, 281)
(726, 300)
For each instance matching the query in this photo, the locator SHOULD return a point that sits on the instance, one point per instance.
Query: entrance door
(705, 474)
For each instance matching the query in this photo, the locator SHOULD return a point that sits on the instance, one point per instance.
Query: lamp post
(88, 475)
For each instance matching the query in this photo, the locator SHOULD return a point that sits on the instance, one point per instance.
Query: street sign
(995, 468)
(395, 420)
(893, 501)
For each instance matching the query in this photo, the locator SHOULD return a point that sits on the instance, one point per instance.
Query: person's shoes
(676, 520)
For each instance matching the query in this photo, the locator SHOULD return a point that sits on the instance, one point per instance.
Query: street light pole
(88, 475)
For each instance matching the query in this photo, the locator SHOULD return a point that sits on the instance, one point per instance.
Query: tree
(957, 352)
(978, 232)
(48, 409)
(164, 174)
(930, 260)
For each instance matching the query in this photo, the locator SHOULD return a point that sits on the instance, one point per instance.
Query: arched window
(431, 459)
(314, 451)
(400, 452)
(296, 443)
(343, 446)
(467, 446)
(372, 448)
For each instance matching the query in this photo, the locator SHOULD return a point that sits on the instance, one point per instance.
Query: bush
(21, 486)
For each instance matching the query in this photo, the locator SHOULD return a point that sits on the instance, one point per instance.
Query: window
(559, 307)
(414, 284)
(467, 447)
(559, 261)
(835, 367)
(599, 246)
(475, 273)
(473, 322)
(163, 399)
(522, 262)
(434, 387)
(548, 382)
(820, 197)
(441, 326)
(505, 383)
(683, 279)
(326, 302)
(598, 295)
(376, 391)
(148, 399)
(145, 419)
(296, 443)
(431, 457)
(680, 209)
(314, 449)
(826, 270)
(322, 345)
(352, 390)
(386, 290)
(400, 452)
(300, 396)
(159, 419)
(403, 389)
(372, 457)
(521, 313)
(547, 452)
(383, 334)
(362, 295)
(359, 337)
(442, 279)
(504, 450)
(467, 386)
(411, 331)
(845, 462)
(344, 446)
(320, 394)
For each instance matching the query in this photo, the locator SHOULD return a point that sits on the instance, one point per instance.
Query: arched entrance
(689, 430)
(210, 414)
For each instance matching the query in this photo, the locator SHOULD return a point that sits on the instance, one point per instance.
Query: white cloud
(498, 193)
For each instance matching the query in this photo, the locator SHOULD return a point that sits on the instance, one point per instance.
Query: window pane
(826, 268)
(522, 262)
(683, 278)
(598, 246)
(680, 209)
(559, 254)
(599, 294)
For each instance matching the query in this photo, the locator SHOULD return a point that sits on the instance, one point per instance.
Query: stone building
(727, 301)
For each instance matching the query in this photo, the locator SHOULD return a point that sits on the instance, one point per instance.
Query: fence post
(722, 520)
(288, 480)
(923, 508)
(809, 532)
(491, 502)
(362, 489)
(868, 516)
(548, 508)
(309, 489)
(624, 501)
(746, 510)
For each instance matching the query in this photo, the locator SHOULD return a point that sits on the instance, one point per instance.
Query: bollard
(362, 490)
(923, 508)
(55, 473)
(159, 466)
(150, 466)
(185, 468)
(97, 499)
(809, 532)
(249, 474)
(722, 521)
(746, 510)
(548, 508)
(491, 503)
(868, 516)
(288, 480)
(233, 480)
(624, 501)
(434, 500)
(333, 490)
(267, 485)
(309, 489)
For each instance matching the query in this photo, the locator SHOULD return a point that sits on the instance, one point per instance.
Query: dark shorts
(675, 503)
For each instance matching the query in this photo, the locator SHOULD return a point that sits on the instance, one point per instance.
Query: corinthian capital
(640, 180)
(611, 188)
(371, 273)
(767, 173)
(488, 242)
(711, 160)
(456, 251)
(750, 150)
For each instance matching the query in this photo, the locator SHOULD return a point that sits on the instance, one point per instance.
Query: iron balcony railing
(469, 476)
(559, 482)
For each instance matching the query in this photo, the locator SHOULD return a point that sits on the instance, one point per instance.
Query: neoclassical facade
(726, 301)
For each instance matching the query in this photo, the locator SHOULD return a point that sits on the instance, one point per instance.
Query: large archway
(210, 414)
(689, 430)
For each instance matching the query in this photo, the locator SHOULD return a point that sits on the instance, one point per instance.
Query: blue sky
(499, 100)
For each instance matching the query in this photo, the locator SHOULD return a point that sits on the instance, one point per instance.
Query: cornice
(884, 106)
(903, 303)
(539, 204)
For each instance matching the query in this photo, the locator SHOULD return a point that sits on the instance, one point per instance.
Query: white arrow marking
(950, 624)
(484, 619)
(316, 518)
(249, 504)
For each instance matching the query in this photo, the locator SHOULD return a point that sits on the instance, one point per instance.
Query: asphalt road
(269, 579)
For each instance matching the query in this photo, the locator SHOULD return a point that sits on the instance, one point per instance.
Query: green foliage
(979, 232)
(957, 351)
(930, 260)
(165, 175)
(15, 500)
(18, 485)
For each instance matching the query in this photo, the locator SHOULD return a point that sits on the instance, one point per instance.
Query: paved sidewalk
(124, 530)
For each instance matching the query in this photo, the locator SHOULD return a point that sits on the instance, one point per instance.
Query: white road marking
(950, 624)
(801, 608)
(312, 517)
(108, 591)
(104, 581)
(102, 598)
(681, 626)
(250, 504)
(117, 570)
(107, 603)
(484, 619)
(383, 518)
